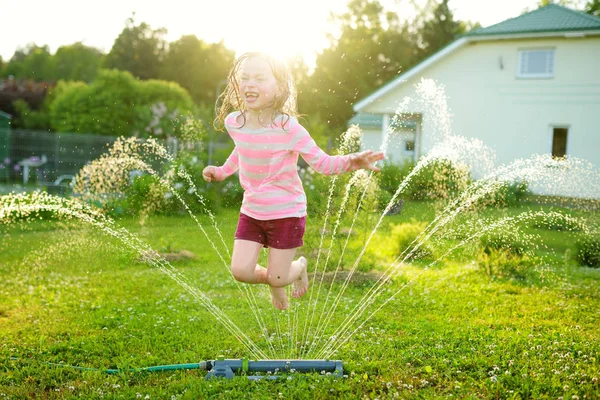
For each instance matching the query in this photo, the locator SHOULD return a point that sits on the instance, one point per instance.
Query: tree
(18, 96)
(197, 66)
(77, 62)
(373, 47)
(439, 28)
(138, 49)
(564, 3)
(574, 4)
(593, 8)
(32, 62)
(299, 71)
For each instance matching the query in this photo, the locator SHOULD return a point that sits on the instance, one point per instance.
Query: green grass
(71, 294)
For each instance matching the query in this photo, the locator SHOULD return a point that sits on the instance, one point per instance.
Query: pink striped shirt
(267, 162)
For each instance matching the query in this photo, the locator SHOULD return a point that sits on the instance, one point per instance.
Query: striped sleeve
(323, 163)
(231, 165)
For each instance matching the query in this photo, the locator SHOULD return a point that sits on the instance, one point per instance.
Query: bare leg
(244, 267)
(300, 285)
(282, 271)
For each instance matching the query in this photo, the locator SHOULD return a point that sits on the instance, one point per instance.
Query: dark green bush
(30, 119)
(317, 188)
(508, 240)
(230, 193)
(439, 179)
(199, 195)
(511, 194)
(403, 241)
(588, 250)
(391, 177)
(502, 263)
(142, 194)
(145, 196)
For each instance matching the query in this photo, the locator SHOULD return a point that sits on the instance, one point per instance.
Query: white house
(527, 85)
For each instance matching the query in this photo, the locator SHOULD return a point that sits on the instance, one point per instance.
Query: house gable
(546, 22)
(551, 18)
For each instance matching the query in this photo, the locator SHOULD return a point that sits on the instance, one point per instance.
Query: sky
(284, 27)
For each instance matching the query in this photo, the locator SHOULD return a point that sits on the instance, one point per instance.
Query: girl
(268, 140)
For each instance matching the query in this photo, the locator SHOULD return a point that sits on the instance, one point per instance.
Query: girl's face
(257, 84)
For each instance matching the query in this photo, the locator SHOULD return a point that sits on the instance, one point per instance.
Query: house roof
(550, 20)
(368, 120)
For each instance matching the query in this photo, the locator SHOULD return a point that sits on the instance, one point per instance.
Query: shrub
(320, 131)
(509, 241)
(123, 181)
(557, 222)
(118, 104)
(146, 195)
(588, 250)
(203, 199)
(440, 179)
(104, 107)
(390, 178)
(511, 194)
(317, 188)
(27, 101)
(18, 207)
(392, 175)
(230, 193)
(30, 119)
(403, 236)
(502, 263)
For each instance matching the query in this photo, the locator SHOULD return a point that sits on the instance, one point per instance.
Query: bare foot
(300, 286)
(279, 298)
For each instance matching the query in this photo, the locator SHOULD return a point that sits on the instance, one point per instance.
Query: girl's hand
(365, 160)
(209, 174)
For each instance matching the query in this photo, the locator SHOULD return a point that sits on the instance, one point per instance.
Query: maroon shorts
(284, 233)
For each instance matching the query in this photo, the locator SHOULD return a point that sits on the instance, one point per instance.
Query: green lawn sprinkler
(270, 369)
(226, 368)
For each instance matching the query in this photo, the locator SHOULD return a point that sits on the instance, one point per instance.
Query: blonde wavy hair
(230, 100)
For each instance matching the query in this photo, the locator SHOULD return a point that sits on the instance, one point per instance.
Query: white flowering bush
(139, 177)
(159, 121)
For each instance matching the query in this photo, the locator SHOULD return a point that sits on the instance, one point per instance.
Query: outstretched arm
(232, 164)
(328, 165)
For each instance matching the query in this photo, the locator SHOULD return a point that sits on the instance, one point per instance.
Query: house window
(537, 63)
(559, 142)
(409, 145)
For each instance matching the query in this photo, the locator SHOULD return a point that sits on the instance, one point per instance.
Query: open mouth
(251, 96)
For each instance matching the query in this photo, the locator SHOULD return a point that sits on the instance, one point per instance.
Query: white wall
(371, 139)
(396, 150)
(514, 116)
